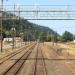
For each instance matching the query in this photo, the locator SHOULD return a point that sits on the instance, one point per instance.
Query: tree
(67, 36)
(3, 34)
(74, 37)
(43, 36)
(48, 37)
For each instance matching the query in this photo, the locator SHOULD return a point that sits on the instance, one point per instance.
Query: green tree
(48, 37)
(67, 36)
(43, 36)
(3, 34)
(74, 37)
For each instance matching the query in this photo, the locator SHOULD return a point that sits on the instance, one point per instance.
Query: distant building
(18, 39)
(11, 39)
(73, 40)
(7, 39)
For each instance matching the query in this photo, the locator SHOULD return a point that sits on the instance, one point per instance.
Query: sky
(56, 25)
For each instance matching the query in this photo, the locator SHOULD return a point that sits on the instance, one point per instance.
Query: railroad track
(2, 60)
(16, 67)
(39, 67)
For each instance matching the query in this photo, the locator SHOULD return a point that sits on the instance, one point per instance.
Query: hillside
(23, 26)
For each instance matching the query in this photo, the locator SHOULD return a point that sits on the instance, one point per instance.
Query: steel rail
(36, 63)
(18, 64)
(43, 61)
(11, 55)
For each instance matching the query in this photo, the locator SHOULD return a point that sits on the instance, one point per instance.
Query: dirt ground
(67, 49)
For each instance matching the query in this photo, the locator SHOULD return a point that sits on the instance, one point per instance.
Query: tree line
(65, 37)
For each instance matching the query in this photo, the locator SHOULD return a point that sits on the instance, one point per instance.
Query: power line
(64, 27)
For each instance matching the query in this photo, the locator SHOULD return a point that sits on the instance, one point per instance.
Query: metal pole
(56, 38)
(52, 38)
(19, 19)
(1, 25)
(21, 27)
(13, 29)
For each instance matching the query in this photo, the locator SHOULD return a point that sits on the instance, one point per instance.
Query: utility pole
(21, 33)
(56, 37)
(19, 21)
(1, 25)
(21, 26)
(13, 29)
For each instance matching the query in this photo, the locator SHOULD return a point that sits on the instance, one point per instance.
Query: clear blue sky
(59, 26)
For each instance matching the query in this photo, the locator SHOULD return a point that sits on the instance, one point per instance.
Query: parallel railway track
(15, 68)
(2, 60)
(39, 67)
